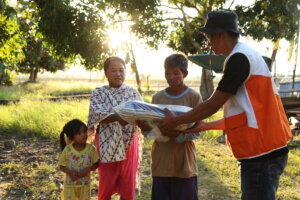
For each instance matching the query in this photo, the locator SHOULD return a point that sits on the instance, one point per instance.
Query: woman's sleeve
(99, 108)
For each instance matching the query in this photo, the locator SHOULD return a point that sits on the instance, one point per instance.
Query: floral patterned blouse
(114, 139)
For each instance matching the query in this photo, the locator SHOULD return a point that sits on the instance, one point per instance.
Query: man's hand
(168, 123)
(204, 126)
(198, 126)
(143, 125)
(171, 133)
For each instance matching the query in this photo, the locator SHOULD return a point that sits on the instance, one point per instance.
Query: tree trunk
(2, 79)
(274, 53)
(134, 68)
(207, 86)
(296, 55)
(36, 70)
(33, 74)
(137, 76)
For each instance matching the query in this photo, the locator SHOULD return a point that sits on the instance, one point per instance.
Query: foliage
(272, 19)
(145, 18)
(74, 30)
(180, 40)
(183, 18)
(11, 38)
(38, 57)
(8, 78)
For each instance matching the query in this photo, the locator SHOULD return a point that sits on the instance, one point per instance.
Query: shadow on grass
(211, 187)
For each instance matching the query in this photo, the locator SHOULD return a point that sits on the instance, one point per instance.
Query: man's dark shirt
(236, 72)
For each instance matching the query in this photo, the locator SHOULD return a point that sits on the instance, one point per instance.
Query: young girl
(76, 160)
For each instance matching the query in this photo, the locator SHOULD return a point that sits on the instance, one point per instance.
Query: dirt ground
(29, 170)
(20, 158)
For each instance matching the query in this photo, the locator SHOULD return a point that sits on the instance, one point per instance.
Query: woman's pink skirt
(119, 177)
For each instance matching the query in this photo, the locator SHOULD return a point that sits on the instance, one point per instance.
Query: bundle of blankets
(137, 110)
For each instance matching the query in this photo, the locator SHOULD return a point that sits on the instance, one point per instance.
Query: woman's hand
(114, 118)
(143, 125)
(91, 131)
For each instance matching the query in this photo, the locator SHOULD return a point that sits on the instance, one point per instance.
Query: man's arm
(204, 126)
(202, 111)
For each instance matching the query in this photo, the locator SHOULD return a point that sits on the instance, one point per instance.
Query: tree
(130, 57)
(74, 30)
(271, 19)
(11, 40)
(184, 36)
(38, 57)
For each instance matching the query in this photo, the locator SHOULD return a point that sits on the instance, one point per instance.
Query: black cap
(220, 21)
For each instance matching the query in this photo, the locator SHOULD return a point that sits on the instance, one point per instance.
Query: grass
(40, 119)
(46, 89)
(32, 180)
(218, 175)
(218, 170)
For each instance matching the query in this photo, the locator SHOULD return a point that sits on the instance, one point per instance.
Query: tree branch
(169, 7)
(188, 31)
(231, 4)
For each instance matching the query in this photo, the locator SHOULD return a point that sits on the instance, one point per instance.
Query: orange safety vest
(255, 121)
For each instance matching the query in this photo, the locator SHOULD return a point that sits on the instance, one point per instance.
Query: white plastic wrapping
(138, 110)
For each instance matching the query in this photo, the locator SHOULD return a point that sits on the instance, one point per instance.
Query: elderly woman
(116, 141)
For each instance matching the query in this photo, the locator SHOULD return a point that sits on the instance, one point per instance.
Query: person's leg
(126, 183)
(108, 176)
(275, 169)
(184, 188)
(85, 192)
(260, 179)
(161, 188)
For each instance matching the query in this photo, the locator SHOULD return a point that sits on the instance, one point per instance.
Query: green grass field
(218, 170)
(46, 89)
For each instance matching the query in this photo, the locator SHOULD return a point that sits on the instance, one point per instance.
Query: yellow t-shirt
(78, 160)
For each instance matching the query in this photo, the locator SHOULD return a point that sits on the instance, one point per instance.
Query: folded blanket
(138, 110)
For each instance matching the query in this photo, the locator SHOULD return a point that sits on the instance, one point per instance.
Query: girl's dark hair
(112, 59)
(70, 129)
(177, 60)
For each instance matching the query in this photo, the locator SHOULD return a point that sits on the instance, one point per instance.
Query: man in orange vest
(256, 126)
